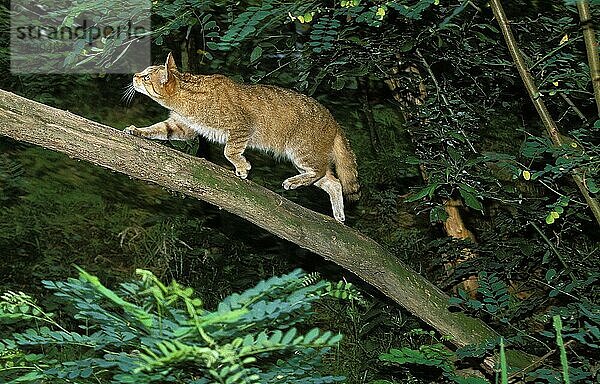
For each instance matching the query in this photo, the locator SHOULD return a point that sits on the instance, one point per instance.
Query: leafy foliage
(495, 298)
(495, 301)
(342, 290)
(150, 332)
(434, 355)
(11, 179)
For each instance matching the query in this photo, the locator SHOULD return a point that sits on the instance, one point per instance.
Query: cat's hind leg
(333, 187)
(317, 171)
(310, 171)
(319, 174)
(307, 177)
(165, 130)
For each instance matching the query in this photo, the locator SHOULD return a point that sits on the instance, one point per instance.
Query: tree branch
(591, 46)
(38, 124)
(536, 98)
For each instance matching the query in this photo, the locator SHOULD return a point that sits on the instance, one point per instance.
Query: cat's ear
(170, 64)
(170, 67)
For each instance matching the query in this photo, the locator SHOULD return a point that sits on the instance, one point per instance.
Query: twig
(568, 100)
(552, 52)
(276, 69)
(557, 289)
(553, 248)
(478, 9)
(368, 114)
(560, 194)
(443, 97)
(537, 362)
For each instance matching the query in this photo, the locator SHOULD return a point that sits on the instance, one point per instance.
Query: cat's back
(252, 98)
(206, 84)
(280, 97)
(285, 109)
(275, 114)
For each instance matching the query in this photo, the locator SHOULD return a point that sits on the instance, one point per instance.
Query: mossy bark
(35, 123)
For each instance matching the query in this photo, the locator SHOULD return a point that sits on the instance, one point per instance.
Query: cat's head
(158, 81)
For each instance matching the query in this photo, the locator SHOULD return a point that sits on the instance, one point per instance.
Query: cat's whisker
(128, 94)
(127, 88)
(126, 91)
(131, 93)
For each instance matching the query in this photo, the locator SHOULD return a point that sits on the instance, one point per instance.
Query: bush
(146, 332)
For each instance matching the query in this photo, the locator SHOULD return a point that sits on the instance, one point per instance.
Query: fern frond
(248, 22)
(180, 342)
(311, 278)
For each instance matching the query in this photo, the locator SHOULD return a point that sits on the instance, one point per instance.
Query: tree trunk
(35, 123)
(591, 47)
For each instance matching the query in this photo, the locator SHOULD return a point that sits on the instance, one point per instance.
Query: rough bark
(29, 121)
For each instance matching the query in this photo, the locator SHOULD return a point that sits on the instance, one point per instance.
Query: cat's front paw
(131, 130)
(242, 171)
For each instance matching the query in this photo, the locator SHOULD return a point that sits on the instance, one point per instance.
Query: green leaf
(503, 363)
(311, 335)
(412, 160)
(276, 337)
(427, 191)
(248, 340)
(592, 186)
(256, 53)
(335, 339)
(289, 336)
(454, 154)
(338, 83)
(471, 200)
(467, 188)
(438, 214)
(323, 338)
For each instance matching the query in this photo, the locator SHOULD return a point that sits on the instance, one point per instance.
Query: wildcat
(280, 121)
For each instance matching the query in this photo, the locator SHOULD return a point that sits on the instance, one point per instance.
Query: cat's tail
(345, 167)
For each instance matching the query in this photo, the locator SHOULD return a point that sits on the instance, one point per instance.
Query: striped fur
(282, 122)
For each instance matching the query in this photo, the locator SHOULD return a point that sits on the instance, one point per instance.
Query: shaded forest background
(435, 111)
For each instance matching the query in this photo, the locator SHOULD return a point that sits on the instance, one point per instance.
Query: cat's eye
(146, 78)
